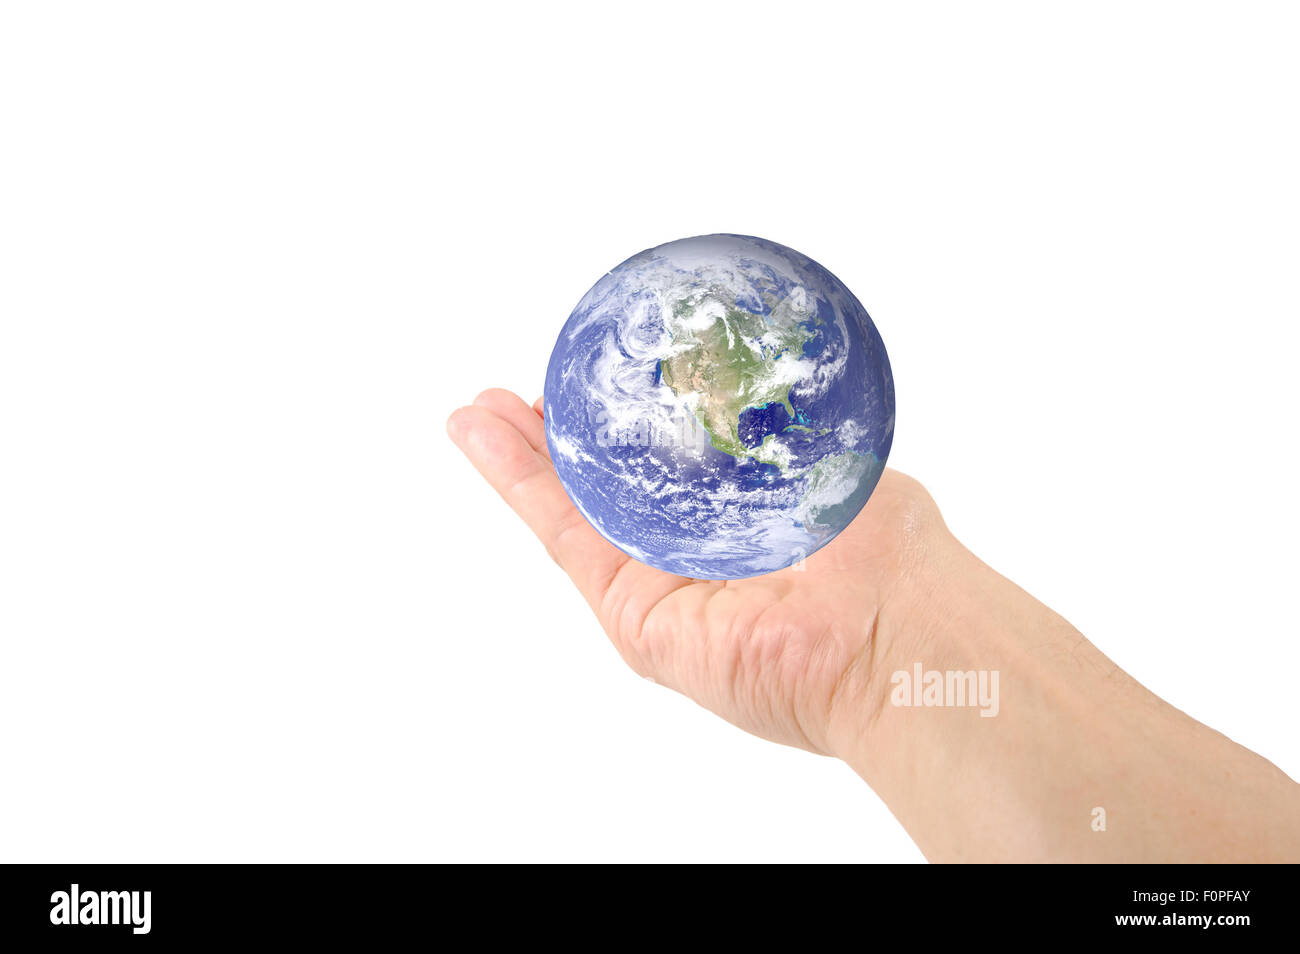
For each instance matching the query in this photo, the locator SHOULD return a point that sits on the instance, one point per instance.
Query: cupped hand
(787, 656)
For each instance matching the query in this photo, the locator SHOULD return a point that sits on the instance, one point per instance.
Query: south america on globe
(719, 406)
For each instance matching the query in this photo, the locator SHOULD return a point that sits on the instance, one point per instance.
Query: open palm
(777, 655)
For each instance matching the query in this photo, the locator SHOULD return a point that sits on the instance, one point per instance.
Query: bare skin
(805, 657)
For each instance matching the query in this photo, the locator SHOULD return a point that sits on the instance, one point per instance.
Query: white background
(255, 606)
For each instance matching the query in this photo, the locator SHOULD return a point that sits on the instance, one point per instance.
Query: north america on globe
(719, 407)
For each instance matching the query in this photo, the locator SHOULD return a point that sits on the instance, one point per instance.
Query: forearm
(1072, 733)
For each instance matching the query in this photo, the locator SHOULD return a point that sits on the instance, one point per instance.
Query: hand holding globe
(807, 655)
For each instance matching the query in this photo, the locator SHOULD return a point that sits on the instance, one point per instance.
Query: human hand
(786, 656)
(805, 657)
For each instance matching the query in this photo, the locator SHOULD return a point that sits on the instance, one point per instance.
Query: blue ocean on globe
(719, 406)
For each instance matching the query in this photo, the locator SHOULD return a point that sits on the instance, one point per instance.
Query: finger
(621, 591)
(511, 408)
(528, 483)
(540, 407)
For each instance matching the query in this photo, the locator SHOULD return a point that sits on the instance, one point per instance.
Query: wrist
(981, 703)
(913, 624)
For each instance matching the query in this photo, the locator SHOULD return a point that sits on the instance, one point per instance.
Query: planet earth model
(719, 406)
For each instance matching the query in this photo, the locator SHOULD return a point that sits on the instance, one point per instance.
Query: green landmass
(730, 371)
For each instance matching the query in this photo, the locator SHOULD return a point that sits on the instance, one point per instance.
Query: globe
(719, 407)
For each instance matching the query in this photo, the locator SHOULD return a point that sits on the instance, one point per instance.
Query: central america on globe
(719, 406)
